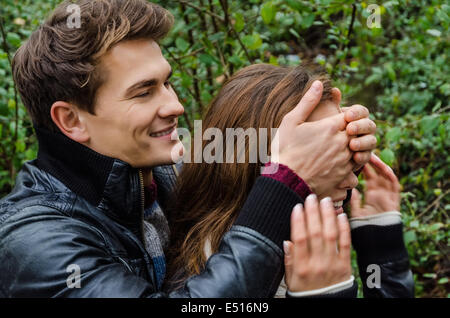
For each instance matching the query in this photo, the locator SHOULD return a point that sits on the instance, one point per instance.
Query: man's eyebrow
(145, 83)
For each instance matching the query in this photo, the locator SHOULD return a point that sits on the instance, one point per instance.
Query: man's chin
(167, 156)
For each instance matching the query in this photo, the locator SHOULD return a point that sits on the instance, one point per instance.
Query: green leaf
(295, 5)
(428, 124)
(308, 20)
(11, 103)
(186, 80)
(443, 280)
(181, 44)
(20, 146)
(239, 22)
(388, 156)
(394, 134)
(236, 60)
(268, 12)
(434, 32)
(390, 72)
(294, 33)
(30, 154)
(374, 78)
(13, 39)
(445, 89)
(434, 227)
(207, 59)
(409, 236)
(253, 41)
(273, 60)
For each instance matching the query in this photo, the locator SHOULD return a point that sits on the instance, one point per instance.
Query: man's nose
(171, 106)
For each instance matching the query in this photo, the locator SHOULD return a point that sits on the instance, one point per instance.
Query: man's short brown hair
(60, 60)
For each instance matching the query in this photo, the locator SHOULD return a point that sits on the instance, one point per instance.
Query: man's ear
(70, 121)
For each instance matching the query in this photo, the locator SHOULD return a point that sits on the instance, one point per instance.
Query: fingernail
(377, 158)
(316, 86)
(325, 201)
(356, 145)
(312, 198)
(286, 247)
(342, 217)
(298, 209)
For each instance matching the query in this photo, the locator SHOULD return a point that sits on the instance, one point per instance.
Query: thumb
(336, 95)
(307, 104)
(355, 202)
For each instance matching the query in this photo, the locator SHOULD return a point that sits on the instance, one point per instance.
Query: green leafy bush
(398, 70)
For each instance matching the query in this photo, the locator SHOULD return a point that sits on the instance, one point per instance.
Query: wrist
(287, 176)
(331, 289)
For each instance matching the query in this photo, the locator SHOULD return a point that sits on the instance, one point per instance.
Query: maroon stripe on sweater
(285, 175)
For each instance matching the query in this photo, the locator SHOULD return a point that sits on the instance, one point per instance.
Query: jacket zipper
(141, 180)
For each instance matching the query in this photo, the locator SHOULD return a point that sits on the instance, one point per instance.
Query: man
(104, 113)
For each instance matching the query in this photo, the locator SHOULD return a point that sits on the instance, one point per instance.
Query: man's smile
(165, 132)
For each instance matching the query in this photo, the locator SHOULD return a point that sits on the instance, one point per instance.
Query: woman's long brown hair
(210, 195)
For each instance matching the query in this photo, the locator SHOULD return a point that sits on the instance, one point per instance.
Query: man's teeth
(338, 204)
(163, 133)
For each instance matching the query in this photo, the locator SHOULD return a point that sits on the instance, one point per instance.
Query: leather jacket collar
(110, 184)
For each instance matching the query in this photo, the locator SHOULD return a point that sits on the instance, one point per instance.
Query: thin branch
(177, 60)
(434, 203)
(224, 4)
(192, 53)
(213, 19)
(194, 70)
(208, 68)
(222, 61)
(187, 3)
(349, 33)
(242, 45)
(188, 121)
(442, 110)
(350, 27)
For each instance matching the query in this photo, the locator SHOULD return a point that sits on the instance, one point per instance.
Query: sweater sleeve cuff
(375, 244)
(268, 208)
(285, 175)
(382, 219)
(333, 289)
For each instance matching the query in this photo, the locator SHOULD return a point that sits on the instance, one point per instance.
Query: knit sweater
(385, 227)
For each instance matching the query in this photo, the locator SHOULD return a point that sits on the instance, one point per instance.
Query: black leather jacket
(72, 206)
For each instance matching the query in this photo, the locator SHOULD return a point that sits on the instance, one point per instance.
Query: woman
(257, 96)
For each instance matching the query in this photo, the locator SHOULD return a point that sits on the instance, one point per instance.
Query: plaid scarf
(156, 234)
(156, 227)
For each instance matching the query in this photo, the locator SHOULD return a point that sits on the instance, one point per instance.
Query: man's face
(136, 109)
